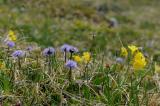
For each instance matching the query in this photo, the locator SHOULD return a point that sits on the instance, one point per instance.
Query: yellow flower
(124, 52)
(133, 48)
(12, 36)
(77, 58)
(139, 61)
(86, 57)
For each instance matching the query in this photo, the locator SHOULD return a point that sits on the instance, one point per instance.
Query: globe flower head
(71, 64)
(65, 47)
(72, 49)
(77, 58)
(10, 44)
(68, 48)
(29, 48)
(124, 52)
(86, 57)
(48, 51)
(18, 54)
(139, 61)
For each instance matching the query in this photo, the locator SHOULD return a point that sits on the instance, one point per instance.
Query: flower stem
(70, 74)
(49, 65)
(71, 56)
(19, 63)
(86, 72)
(37, 60)
(8, 50)
(65, 56)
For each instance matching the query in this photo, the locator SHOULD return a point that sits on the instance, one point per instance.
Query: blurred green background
(54, 22)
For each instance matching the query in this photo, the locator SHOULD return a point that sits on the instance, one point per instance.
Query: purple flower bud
(10, 44)
(71, 64)
(113, 22)
(29, 48)
(119, 60)
(48, 51)
(18, 54)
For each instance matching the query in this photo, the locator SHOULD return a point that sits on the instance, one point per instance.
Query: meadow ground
(80, 52)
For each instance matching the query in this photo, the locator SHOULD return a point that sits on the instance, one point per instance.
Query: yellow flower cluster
(133, 49)
(77, 58)
(12, 36)
(124, 52)
(86, 57)
(138, 61)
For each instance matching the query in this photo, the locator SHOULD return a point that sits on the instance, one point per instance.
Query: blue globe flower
(71, 64)
(65, 48)
(68, 48)
(48, 51)
(10, 44)
(18, 54)
(29, 48)
(72, 49)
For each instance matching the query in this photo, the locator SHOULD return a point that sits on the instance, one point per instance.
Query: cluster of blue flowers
(47, 52)
(68, 48)
(71, 64)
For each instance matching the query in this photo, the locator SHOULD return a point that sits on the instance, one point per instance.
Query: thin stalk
(86, 72)
(54, 63)
(8, 50)
(19, 63)
(70, 74)
(14, 72)
(71, 56)
(108, 88)
(49, 65)
(65, 56)
(37, 60)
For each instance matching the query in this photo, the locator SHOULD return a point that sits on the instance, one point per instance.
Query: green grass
(54, 22)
